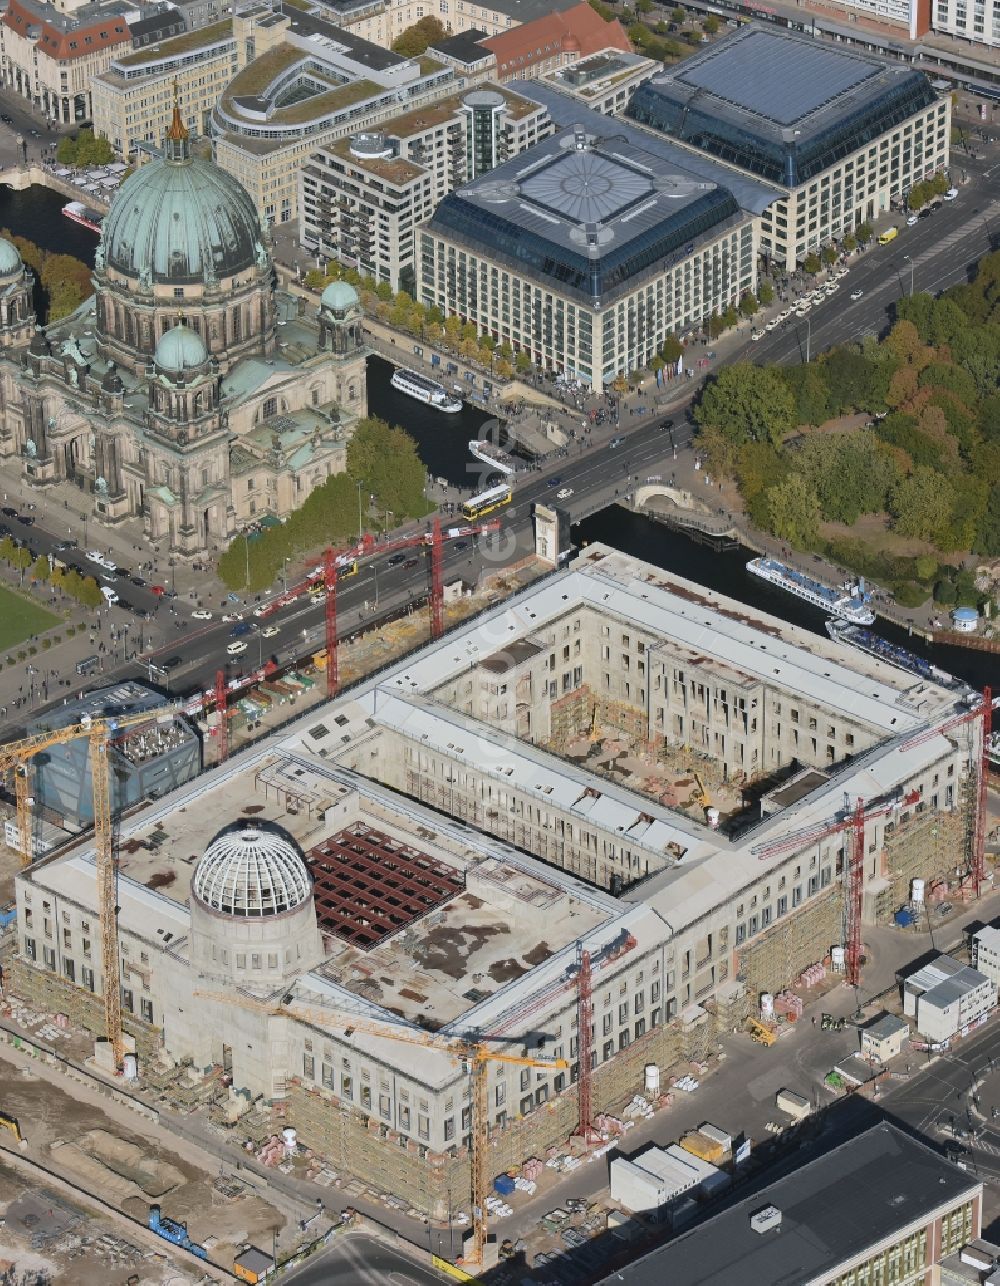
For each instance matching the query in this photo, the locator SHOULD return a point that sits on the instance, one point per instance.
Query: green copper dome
(180, 349)
(10, 260)
(339, 296)
(181, 219)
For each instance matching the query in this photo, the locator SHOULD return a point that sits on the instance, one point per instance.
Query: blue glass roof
(597, 205)
(782, 107)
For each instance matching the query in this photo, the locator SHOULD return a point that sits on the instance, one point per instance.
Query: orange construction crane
(336, 563)
(17, 757)
(474, 1054)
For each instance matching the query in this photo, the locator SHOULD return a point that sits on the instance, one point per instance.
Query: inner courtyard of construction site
(438, 928)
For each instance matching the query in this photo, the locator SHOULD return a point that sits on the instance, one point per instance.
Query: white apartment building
(587, 252)
(842, 134)
(362, 199)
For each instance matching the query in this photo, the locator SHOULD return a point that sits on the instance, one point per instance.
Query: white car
(564, 493)
(774, 322)
(108, 565)
(237, 648)
(757, 334)
(269, 631)
(856, 295)
(230, 617)
(951, 194)
(260, 609)
(785, 314)
(913, 220)
(109, 594)
(201, 614)
(94, 555)
(803, 306)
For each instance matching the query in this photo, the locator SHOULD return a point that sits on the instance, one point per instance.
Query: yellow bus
(890, 234)
(487, 501)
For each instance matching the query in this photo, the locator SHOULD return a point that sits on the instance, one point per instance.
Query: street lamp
(360, 524)
(284, 575)
(908, 259)
(246, 544)
(808, 338)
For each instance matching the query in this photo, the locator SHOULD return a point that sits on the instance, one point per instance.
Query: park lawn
(20, 618)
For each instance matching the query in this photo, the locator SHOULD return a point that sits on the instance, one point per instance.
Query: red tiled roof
(577, 30)
(66, 45)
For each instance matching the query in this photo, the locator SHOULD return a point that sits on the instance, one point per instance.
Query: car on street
(240, 628)
(158, 590)
(461, 544)
(8, 511)
(912, 220)
(232, 616)
(64, 545)
(109, 594)
(137, 580)
(564, 493)
(772, 324)
(26, 519)
(856, 295)
(951, 194)
(755, 335)
(269, 631)
(557, 481)
(410, 563)
(395, 560)
(925, 213)
(201, 614)
(615, 443)
(237, 648)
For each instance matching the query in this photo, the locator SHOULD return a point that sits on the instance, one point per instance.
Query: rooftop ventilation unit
(766, 1220)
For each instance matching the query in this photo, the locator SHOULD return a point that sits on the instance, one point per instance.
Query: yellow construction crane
(17, 757)
(473, 1053)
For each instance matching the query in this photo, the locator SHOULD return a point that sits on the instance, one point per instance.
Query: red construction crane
(584, 1042)
(856, 818)
(334, 563)
(223, 713)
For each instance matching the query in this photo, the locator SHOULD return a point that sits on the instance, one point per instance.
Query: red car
(158, 590)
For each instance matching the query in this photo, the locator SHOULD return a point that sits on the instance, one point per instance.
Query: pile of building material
(686, 1083)
(789, 1005)
(498, 1208)
(639, 1107)
(532, 1169)
(813, 976)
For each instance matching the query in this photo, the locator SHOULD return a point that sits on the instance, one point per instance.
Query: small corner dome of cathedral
(180, 349)
(339, 297)
(10, 260)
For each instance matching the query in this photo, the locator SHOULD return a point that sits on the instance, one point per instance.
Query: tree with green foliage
(748, 304)
(921, 504)
(711, 25)
(812, 263)
(716, 326)
(678, 15)
(671, 349)
(850, 473)
(90, 593)
(84, 150)
(988, 535)
(850, 242)
(829, 255)
(865, 232)
(522, 362)
(413, 42)
(793, 510)
(66, 282)
(765, 292)
(747, 403)
(41, 570)
(811, 392)
(644, 6)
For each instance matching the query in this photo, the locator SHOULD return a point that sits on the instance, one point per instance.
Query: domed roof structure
(251, 872)
(181, 219)
(339, 297)
(180, 349)
(10, 260)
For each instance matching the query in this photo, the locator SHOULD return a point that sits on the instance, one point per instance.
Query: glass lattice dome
(250, 871)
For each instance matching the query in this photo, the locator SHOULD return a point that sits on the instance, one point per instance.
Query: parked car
(951, 194)
(109, 594)
(269, 631)
(237, 648)
(201, 614)
(617, 442)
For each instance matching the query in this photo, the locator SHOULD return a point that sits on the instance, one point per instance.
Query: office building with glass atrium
(842, 133)
(590, 249)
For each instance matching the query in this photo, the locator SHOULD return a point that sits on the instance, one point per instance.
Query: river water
(443, 444)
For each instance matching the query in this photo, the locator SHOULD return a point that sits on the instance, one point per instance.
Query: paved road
(357, 1260)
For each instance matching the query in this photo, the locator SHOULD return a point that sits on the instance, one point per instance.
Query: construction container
(793, 1104)
(713, 1132)
(504, 1184)
(700, 1145)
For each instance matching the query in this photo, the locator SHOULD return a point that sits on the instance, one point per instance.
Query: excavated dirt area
(106, 1154)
